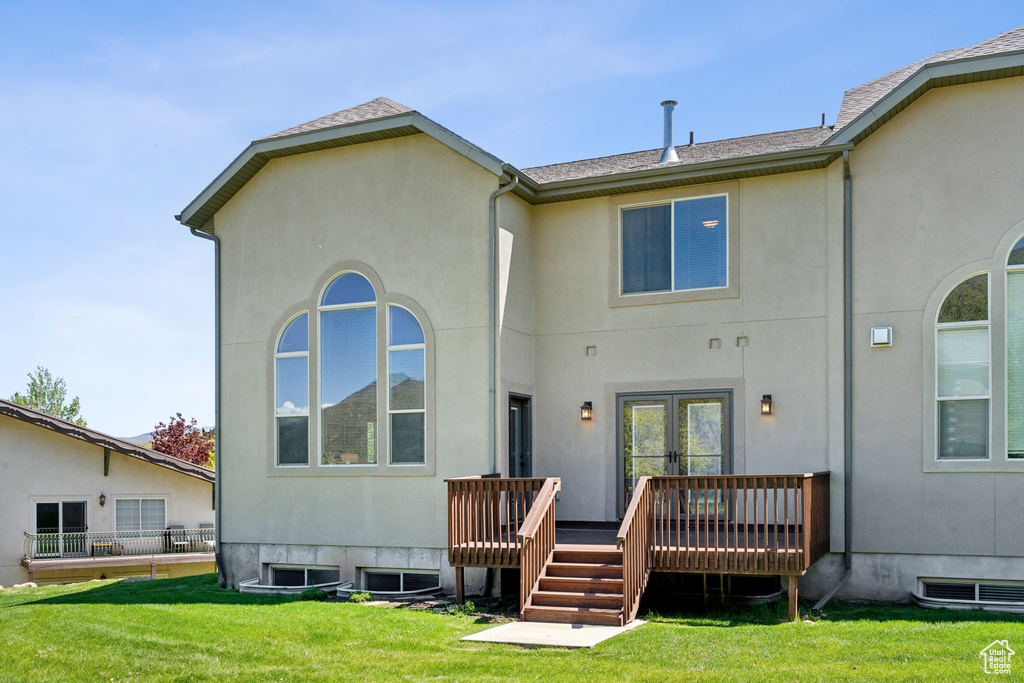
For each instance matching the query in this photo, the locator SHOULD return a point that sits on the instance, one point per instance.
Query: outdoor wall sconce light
(103, 499)
(587, 411)
(766, 404)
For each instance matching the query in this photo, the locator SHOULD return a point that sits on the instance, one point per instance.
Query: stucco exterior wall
(788, 264)
(37, 464)
(516, 299)
(936, 191)
(415, 213)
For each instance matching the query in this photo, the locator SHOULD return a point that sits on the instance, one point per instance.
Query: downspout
(492, 208)
(221, 576)
(492, 218)
(847, 380)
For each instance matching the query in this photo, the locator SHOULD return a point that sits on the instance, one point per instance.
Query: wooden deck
(737, 524)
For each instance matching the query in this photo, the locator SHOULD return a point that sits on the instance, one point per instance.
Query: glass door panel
(646, 434)
(73, 527)
(702, 444)
(47, 529)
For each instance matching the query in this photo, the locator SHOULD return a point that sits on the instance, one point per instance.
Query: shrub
(360, 597)
(313, 594)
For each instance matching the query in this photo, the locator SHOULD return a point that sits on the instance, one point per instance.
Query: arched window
(291, 389)
(962, 345)
(348, 372)
(406, 384)
(1015, 351)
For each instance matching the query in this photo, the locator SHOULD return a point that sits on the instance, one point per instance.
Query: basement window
(1003, 596)
(304, 576)
(399, 581)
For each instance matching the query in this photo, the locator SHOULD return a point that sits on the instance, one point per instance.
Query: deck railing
(118, 543)
(747, 524)
(484, 516)
(634, 540)
(537, 539)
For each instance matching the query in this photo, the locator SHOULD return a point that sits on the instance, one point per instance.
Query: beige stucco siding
(415, 213)
(935, 190)
(37, 464)
(787, 265)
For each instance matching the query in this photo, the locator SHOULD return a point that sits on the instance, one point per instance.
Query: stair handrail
(634, 540)
(537, 540)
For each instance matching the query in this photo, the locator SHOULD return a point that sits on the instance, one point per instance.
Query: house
(77, 505)
(792, 354)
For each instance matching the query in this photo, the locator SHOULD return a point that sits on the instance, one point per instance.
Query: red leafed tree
(185, 441)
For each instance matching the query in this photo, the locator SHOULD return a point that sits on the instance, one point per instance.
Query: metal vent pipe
(669, 152)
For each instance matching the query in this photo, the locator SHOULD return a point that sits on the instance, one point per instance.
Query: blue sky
(114, 115)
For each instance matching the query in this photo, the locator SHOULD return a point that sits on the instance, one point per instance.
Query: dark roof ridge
(20, 412)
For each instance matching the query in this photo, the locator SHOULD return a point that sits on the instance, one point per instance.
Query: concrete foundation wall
(890, 577)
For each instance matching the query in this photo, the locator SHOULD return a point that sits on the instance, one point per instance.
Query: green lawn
(189, 629)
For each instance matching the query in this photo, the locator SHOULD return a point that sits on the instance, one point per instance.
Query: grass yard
(189, 629)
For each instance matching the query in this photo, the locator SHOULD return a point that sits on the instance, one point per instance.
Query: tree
(185, 441)
(47, 395)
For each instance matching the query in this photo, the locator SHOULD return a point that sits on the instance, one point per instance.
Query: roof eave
(939, 74)
(676, 175)
(70, 429)
(258, 153)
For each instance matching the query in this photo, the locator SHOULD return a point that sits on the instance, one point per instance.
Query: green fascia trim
(711, 171)
(258, 153)
(924, 79)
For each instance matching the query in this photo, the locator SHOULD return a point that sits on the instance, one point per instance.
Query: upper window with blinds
(681, 245)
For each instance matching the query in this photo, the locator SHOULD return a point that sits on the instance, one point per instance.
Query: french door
(673, 434)
(60, 528)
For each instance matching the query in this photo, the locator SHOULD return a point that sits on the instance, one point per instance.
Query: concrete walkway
(551, 635)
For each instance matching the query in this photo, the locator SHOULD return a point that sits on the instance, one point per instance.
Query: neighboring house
(77, 505)
(672, 312)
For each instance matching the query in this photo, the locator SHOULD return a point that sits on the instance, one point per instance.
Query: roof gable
(868, 106)
(75, 431)
(379, 108)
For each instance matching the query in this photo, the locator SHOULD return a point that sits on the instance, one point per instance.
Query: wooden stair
(582, 584)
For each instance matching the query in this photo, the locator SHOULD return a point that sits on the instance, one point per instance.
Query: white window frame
(401, 576)
(275, 416)
(140, 499)
(305, 572)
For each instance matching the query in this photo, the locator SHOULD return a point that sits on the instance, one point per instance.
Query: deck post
(152, 570)
(794, 612)
(460, 586)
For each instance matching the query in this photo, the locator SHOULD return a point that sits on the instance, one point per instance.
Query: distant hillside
(138, 440)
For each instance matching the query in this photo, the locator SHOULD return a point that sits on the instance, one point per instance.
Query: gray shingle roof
(718, 150)
(858, 100)
(379, 108)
